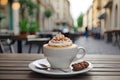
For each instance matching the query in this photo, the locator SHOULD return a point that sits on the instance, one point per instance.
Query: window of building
(116, 15)
(57, 4)
(57, 16)
(110, 16)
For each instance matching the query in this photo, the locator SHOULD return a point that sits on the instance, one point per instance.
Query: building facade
(45, 23)
(62, 13)
(110, 13)
(90, 15)
(60, 10)
(85, 22)
(116, 15)
(88, 19)
(105, 12)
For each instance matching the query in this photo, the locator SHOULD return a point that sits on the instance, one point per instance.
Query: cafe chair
(4, 43)
(118, 40)
(1, 47)
(10, 44)
(37, 41)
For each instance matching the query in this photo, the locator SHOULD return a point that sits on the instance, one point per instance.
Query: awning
(101, 16)
(108, 4)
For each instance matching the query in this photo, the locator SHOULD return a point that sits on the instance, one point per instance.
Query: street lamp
(3, 2)
(15, 5)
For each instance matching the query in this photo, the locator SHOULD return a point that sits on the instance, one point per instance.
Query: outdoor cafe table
(20, 38)
(15, 38)
(15, 66)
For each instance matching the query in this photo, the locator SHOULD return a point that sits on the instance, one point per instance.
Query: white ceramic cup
(62, 57)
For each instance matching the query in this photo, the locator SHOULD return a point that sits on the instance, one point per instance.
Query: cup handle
(78, 52)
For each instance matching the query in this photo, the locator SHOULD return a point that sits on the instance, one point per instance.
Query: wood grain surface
(15, 67)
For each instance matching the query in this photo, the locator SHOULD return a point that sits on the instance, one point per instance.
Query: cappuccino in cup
(60, 51)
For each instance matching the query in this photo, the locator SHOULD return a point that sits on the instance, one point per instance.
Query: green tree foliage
(31, 7)
(28, 5)
(80, 20)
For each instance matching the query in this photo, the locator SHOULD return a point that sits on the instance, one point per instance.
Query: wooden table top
(15, 66)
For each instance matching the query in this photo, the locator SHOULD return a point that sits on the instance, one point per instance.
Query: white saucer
(33, 67)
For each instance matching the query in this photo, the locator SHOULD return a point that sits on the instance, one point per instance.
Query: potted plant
(33, 27)
(47, 13)
(23, 25)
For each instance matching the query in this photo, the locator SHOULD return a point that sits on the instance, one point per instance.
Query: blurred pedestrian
(86, 32)
(98, 31)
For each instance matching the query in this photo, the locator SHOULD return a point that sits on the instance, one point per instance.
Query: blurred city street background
(92, 24)
(91, 45)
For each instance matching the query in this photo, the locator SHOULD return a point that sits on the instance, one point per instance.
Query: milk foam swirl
(60, 41)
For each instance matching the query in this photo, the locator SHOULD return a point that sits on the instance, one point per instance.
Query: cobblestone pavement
(94, 46)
